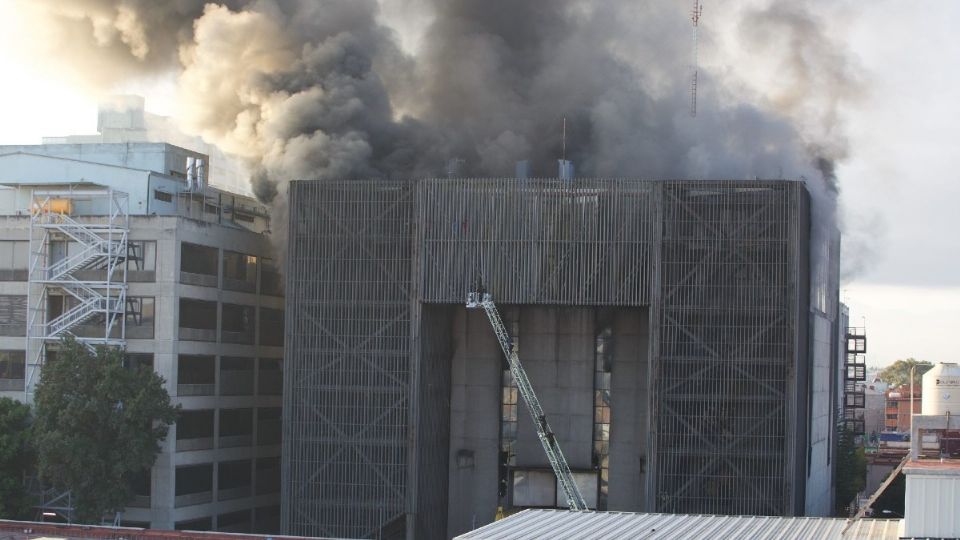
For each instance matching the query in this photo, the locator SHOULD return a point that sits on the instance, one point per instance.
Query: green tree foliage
(898, 373)
(16, 458)
(851, 471)
(97, 425)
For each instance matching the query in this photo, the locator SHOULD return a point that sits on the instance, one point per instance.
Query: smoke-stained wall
(721, 265)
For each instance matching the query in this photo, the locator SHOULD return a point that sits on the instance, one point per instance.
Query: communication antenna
(695, 65)
(563, 155)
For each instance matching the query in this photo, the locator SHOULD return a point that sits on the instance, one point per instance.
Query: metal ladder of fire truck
(575, 499)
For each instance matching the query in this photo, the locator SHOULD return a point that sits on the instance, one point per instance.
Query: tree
(16, 458)
(851, 471)
(898, 373)
(98, 424)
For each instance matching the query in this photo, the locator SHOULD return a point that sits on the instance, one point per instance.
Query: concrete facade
(222, 472)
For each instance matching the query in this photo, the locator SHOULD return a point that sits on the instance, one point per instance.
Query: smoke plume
(324, 88)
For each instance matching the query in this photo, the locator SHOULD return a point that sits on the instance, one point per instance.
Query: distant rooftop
(563, 524)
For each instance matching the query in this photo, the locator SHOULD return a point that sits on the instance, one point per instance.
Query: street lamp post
(913, 370)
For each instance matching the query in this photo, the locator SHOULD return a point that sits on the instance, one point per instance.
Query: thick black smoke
(322, 88)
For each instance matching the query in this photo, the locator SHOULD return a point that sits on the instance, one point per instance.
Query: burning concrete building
(680, 340)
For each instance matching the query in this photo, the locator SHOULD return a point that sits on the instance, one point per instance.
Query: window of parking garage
(194, 430)
(140, 486)
(194, 485)
(266, 520)
(269, 427)
(268, 475)
(239, 324)
(271, 281)
(236, 376)
(138, 361)
(14, 260)
(271, 327)
(236, 427)
(196, 375)
(234, 480)
(141, 260)
(13, 316)
(200, 524)
(140, 316)
(235, 522)
(12, 369)
(270, 377)
(198, 320)
(199, 265)
(239, 272)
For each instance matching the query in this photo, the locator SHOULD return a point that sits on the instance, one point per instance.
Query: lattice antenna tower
(695, 64)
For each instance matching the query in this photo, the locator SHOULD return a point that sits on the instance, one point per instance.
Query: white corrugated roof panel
(563, 524)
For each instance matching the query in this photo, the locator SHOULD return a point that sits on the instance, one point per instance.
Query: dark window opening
(196, 375)
(198, 320)
(268, 475)
(269, 426)
(239, 324)
(234, 479)
(239, 272)
(271, 281)
(270, 377)
(235, 522)
(195, 425)
(236, 376)
(271, 327)
(236, 427)
(266, 520)
(191, 479)
(199, 265)
(162, 196)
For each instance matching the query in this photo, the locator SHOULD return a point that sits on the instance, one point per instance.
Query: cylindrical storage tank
(941, 389)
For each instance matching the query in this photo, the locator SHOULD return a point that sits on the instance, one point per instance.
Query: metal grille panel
(537, 241)
(727, 321)
(347, 369)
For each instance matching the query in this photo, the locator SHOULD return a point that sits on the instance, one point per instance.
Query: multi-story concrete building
(682, 337)
(124, 244)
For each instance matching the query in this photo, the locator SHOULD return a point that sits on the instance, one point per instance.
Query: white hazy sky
(901, 186)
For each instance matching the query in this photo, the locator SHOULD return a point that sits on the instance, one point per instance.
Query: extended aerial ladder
(575, 499)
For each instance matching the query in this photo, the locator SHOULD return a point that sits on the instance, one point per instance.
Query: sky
(900, 188)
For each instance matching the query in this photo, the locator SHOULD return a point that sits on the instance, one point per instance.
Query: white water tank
(941, 390)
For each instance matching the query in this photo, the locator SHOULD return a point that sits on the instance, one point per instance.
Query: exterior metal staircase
(90, 279)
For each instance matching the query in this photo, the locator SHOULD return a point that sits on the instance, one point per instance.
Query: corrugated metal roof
(563, 524)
